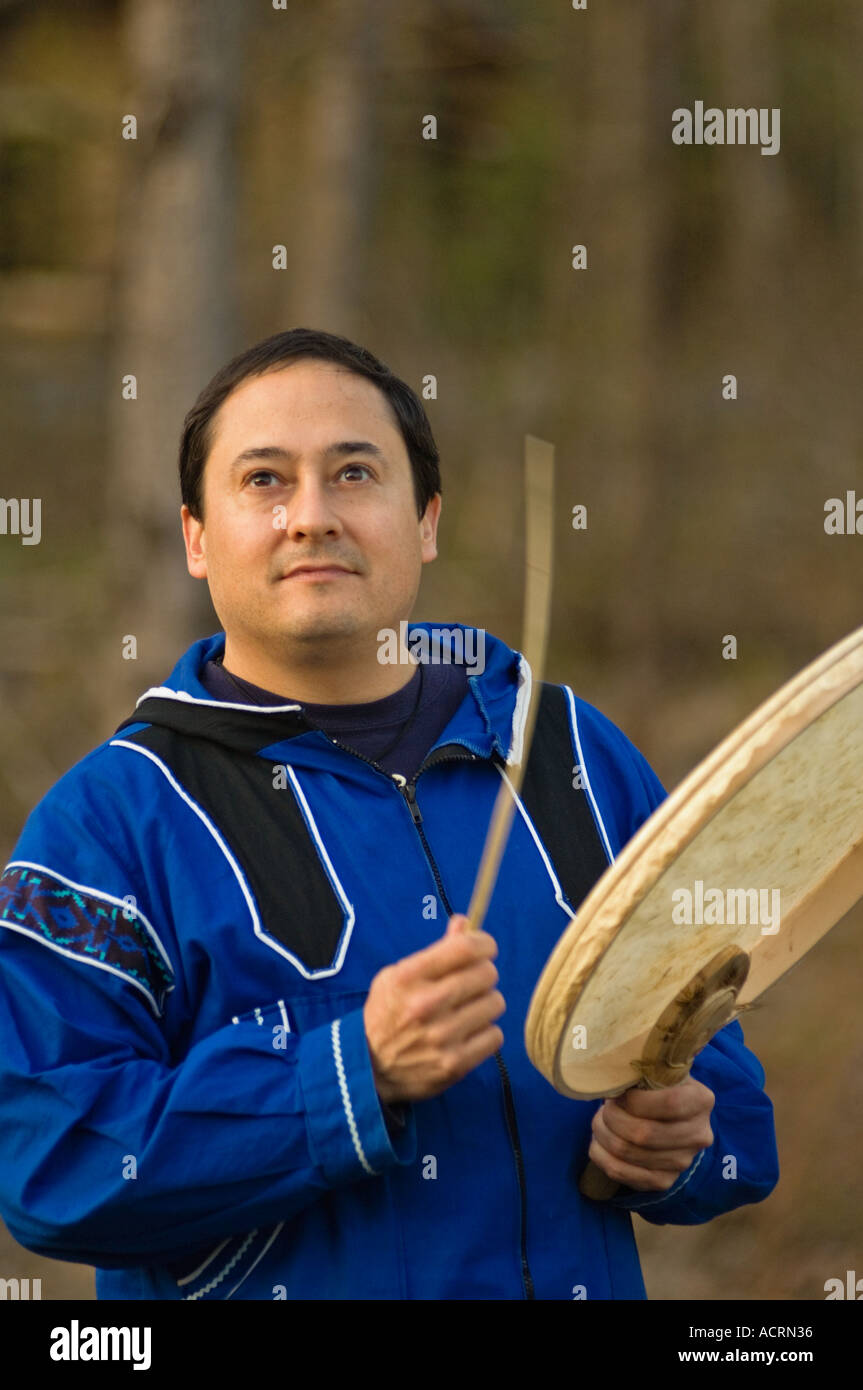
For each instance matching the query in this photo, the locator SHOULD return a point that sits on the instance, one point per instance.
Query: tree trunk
(176, 318)
(332, 207)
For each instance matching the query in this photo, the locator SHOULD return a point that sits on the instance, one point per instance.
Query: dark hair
(291, 346)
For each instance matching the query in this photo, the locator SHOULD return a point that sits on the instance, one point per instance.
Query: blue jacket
(193, 916)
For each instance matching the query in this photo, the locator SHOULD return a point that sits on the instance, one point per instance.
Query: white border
(597, 814)
(255, 1261)
(347, 906)
(558, 892)
(335, 1028)
(237, 1255)
(190, 1278)
(519, 714)
(164, 692)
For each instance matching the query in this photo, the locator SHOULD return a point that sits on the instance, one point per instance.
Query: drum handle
(705, 1004)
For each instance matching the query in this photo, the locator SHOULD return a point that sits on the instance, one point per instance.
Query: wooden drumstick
(539, 540)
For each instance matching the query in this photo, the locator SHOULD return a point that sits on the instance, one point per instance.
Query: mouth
(314, 572)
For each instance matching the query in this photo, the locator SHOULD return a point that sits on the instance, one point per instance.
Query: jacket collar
(490, 719)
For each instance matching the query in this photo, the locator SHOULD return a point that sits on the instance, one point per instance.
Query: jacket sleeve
(118, 1148)
(741, 1165)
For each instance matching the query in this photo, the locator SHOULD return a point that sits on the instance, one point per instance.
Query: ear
(193, 535)
(428, 528)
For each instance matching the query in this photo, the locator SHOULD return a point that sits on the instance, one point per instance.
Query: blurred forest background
(302, 127)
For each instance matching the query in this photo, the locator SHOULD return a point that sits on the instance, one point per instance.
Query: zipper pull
(409, 792)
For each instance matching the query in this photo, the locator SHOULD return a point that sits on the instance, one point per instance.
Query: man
(247, 1048)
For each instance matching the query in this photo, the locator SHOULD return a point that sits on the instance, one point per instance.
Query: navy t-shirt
(429, 701)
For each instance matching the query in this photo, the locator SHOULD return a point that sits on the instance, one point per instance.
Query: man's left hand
(646, 1139)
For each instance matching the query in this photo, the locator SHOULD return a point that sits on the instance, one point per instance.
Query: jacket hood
(489, 720)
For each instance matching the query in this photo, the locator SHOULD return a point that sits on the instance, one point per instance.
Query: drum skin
(760, 847)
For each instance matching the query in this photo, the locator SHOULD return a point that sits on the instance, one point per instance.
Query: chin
(319, 625)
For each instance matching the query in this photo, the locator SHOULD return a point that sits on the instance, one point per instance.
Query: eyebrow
(338, 450)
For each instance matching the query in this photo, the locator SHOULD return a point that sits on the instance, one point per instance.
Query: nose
(310, 512)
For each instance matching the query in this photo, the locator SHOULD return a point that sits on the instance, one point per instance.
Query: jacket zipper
(408, 791)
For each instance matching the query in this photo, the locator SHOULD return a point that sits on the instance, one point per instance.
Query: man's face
(308, 466)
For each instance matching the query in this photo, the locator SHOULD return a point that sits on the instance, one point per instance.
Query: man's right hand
(429, 1018)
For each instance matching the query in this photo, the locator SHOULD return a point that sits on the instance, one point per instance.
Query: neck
(343, 677)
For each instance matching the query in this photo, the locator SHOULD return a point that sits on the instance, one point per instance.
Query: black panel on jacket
(208, 750)
(559, 810)
(296, 902)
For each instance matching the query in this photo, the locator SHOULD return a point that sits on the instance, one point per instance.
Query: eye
(364, 466)
(261, 473)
